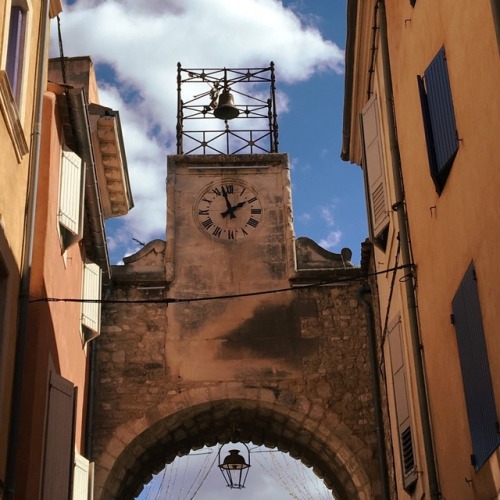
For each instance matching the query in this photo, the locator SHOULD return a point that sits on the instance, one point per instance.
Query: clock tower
(230, 251)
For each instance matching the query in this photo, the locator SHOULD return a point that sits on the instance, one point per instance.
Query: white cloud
(143, 41)
(332, 240)
(327, 216)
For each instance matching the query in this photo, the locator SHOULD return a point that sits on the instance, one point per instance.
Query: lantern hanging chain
(173, 300)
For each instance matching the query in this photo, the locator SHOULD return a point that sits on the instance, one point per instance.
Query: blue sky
(136, 46)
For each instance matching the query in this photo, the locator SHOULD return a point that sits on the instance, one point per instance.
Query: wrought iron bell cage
(226, 111)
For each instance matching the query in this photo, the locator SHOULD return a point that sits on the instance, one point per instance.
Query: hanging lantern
(234, 468)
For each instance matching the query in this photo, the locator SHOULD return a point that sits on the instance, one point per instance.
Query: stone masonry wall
(329, 397)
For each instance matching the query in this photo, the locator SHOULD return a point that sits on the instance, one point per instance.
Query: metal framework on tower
(226, 111)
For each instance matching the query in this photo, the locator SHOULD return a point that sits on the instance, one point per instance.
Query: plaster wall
(447, 230)
(54, 339)
(459, 226)
(14, 169)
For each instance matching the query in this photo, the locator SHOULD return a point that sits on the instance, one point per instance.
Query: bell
(226, 110)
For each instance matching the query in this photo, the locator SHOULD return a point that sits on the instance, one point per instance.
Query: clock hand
(230, 209)
(239, 205)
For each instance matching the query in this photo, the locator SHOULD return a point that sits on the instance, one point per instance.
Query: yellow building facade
(24, 27)
(421, 116)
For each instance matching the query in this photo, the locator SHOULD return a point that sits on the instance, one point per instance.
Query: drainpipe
(363, 297)
(29, 230)
(400, 207)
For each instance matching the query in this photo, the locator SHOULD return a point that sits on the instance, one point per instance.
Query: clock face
(228, 210)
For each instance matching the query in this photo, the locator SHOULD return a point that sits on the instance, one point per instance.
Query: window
(374, 172)
(439, 119)
(403, 419)
(91, 311)
(476, 376)
(58, 455)
(71, 198)
(15, 49)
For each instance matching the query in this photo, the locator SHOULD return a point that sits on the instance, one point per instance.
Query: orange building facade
(82, 180)
(422, 111)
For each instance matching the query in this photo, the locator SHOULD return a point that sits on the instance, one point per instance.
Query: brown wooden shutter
(402, 406)
(58, 457)
(374, 166)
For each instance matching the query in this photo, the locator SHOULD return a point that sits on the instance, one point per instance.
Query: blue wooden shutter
(478, 387)
(439, 118)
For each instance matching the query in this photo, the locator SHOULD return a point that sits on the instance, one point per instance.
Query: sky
(271, 475)
(136, 46)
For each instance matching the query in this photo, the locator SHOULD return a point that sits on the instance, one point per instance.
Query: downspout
(363, 295)
(400, 208)
(29, 231)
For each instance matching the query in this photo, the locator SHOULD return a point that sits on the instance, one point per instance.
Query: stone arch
(141, 448)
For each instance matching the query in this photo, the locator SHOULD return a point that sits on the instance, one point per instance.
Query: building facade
(421, 113)
(82, 180)
(24, 28)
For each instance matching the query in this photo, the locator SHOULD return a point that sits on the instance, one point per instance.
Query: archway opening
(235, 420)
(273, 474)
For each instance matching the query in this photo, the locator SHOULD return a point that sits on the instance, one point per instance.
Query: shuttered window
(71, 198)
(82, 478)
(91, 311)
(58, 456)
(403, 419)
(15, 50)
(439, 118)
(476, 376)
(374, 168)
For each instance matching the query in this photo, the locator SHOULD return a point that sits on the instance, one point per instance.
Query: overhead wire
(201, 473)
(173, 300)
(208, 469)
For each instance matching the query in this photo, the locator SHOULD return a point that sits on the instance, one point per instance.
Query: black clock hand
(239, 205)
(230, 209)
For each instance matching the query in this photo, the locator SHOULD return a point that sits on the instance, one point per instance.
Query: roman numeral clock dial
(228, 211)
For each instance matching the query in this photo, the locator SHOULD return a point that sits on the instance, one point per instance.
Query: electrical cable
(173, 300)
(200, 473)
(205, 476)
